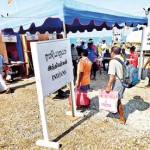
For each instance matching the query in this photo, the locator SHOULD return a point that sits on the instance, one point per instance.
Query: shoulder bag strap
(123, 66)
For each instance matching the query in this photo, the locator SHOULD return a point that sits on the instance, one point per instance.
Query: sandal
(119, 121)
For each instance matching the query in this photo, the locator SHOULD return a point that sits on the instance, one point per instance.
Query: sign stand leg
(45, 142)
(73, 115)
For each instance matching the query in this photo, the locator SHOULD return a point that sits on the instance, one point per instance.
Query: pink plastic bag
(108, 101)
(81, 98)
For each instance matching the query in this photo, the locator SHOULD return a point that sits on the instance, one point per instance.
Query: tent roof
(134, 37)
(77, 16)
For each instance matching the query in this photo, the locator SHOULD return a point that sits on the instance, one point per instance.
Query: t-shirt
(91, 54)
(84, 66)
(2, 62)
(133, 56)
(116, 68)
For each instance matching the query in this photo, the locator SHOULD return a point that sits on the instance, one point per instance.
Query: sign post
(53, 69)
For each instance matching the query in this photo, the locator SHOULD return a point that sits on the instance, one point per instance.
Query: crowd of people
(87, 60)
(88, 66)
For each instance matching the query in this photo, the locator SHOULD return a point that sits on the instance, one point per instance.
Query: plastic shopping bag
(108, 101)
(81, 98)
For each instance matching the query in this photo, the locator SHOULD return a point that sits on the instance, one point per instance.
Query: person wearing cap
(91, 55)
(115, 74)
(83, 72)
(133, 57)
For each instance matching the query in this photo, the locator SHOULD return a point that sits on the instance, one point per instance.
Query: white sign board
(146, 39)
(32, 37)
(9, 38)
(52, 65)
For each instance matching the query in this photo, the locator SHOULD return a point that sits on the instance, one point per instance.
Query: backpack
(130, 74)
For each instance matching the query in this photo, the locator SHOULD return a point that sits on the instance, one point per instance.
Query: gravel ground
(20, 124)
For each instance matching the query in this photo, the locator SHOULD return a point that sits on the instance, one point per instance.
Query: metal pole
(64, 29)
(141, 55)
(113, 36)
(72, 93)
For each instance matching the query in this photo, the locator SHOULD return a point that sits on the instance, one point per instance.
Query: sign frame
(35, 49)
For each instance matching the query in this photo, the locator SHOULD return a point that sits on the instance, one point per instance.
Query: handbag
(81, 98)
(108, 101)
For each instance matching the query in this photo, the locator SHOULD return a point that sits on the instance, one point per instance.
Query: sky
(126, 6)
(134, 7)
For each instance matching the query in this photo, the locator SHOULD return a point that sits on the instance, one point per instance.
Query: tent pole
(113, 36)
(74, 114)
(72, 94)
(24, 43)
(141, 55)
(64, 29)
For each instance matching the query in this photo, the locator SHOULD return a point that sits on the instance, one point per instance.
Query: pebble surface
(20, 124)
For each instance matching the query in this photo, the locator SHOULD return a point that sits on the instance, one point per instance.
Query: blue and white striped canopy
(49, 16)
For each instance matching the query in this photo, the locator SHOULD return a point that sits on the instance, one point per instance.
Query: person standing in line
(80, 48)
(74, 58)
(148, 72)
(83, 72)
(115, 74)
(133, 57)
(106, 59)
(91, 55)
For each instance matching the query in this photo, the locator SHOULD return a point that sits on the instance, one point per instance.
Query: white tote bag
(3, 86)
(108, 101)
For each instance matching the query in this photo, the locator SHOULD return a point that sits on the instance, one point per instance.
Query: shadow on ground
(89, 115)
(86, 117)
(24, 85)
(137, 103)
